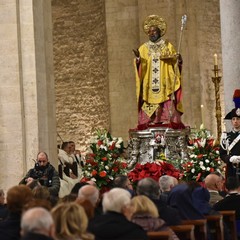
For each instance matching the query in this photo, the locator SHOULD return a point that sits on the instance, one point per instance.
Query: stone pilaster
(27, 112)
(230, 22)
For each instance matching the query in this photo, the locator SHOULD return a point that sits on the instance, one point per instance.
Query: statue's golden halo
(155, 20)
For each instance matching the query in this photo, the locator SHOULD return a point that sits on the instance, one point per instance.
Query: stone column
(27, 110)
(230, 22)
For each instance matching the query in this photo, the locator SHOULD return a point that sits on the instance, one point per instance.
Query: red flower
(104, 158)
(94, 173)
(198, 176)
(212, 170)
(210, 142)
(84, 179)
(115, 169)
(92, 155)
(112, 146)
(124, 165)
(102, 174)
(99, 143)
(199, 156)
(90, 161)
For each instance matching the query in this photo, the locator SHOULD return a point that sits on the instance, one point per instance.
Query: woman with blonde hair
(145, 214)
(71, 222)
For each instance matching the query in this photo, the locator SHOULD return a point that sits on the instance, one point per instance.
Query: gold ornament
(157, 21)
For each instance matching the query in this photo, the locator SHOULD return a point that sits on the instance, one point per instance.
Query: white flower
(202, 167)
(202, 142)
(208, 169)
(103, 147)
(106, 167)
(207, 161)
(93, 179)
(110, 177)
(193, 156)
(217, 152)
(118, 143)
(201, 163)
(202, 125)
(193, 170)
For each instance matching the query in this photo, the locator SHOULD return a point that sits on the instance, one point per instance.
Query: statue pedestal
(147, 145)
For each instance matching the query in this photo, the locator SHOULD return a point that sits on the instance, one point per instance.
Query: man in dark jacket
(150, 188)
(230, 141)
(115, 223)
(45, 173)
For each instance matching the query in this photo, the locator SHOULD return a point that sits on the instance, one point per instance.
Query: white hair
(166, 182)
(116, 199)
(90, 193)
(37, 220)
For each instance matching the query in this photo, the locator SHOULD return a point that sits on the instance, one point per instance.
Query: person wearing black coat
(17, 198)
(115, 223)
(150, 188)
(230, 145)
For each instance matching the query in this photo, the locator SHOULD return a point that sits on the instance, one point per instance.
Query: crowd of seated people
(121, 213)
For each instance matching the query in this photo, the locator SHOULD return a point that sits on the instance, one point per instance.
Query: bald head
(37, 220)
(214, 182)
(90, 193)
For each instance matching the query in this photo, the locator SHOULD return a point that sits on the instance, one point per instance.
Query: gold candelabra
(216, 80)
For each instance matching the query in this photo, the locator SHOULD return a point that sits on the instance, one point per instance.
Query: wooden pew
(215, 226)
(200, 228)
(161, 235)
(184, 232)
(229, 218)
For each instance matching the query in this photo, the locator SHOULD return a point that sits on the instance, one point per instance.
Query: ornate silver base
(148, 145)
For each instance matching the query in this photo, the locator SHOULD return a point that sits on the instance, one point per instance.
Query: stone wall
(80, 61)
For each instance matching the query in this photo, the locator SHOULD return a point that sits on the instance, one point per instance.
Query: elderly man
(150, 188)
(214, 184)
(90, 193)
(37, 223)
(166, 183)
(115, 222)
(45, 173)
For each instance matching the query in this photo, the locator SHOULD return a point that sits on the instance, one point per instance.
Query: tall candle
(215, 59)
(202, 115)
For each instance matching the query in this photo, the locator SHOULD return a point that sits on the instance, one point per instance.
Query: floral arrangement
(203, 157)
(104, 161)
(153, 170)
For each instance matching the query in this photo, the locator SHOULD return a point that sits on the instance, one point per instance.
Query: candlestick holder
(216, 80)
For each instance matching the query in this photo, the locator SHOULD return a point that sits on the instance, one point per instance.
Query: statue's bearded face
(154, 34)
